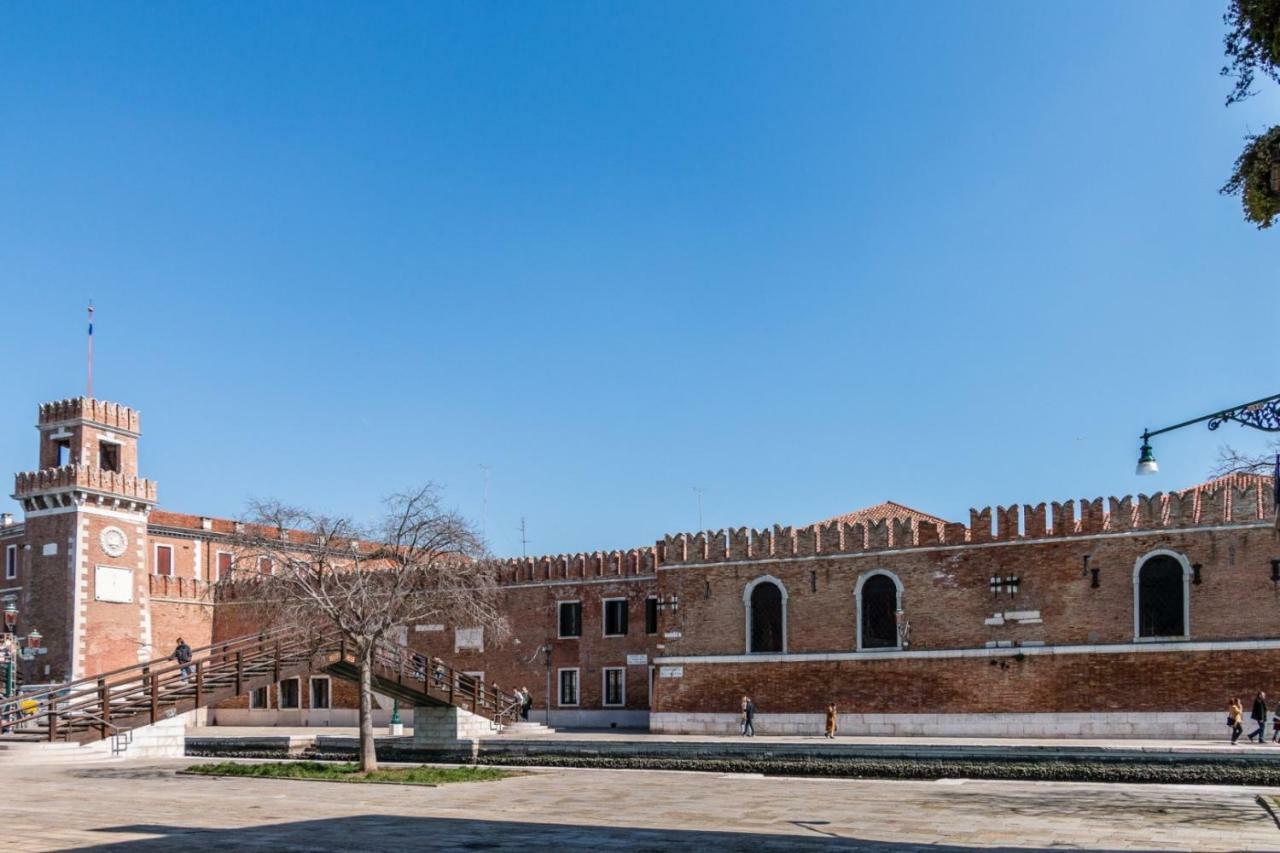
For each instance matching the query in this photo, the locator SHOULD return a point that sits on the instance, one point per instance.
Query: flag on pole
(1275, 485)
(90, 364)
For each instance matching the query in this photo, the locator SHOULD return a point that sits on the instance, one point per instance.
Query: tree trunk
(368, 752)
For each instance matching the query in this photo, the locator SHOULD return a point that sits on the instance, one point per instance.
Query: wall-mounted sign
(671, 672)
(637, 660)
(671, 635)
(422, 629)
(112, 584)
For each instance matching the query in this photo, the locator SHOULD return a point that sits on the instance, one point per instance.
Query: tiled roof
(883, 512)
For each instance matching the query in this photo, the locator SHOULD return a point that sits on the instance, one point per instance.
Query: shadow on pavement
(390, 833)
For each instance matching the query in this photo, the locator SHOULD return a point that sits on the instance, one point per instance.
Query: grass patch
(350, 772)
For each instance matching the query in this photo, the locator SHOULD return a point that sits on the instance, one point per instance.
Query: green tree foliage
(1252, 46)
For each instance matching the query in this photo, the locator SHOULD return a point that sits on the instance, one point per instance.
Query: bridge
(112, 706)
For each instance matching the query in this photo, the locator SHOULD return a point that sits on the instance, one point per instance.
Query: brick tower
(86, 537)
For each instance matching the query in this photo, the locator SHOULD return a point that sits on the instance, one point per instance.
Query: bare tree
(1232, 461)
(417, 563)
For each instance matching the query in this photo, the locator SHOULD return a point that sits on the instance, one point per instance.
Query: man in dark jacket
(1259, 716)
(748, 717)
(182, 654)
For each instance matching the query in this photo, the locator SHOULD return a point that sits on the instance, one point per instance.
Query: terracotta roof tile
(883, 512)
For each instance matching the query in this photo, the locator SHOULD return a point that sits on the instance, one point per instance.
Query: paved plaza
(145, 806)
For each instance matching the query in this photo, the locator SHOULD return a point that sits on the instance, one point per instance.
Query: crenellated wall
(1228, 504)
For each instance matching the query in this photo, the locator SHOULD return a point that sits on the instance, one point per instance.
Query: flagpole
(91, 348)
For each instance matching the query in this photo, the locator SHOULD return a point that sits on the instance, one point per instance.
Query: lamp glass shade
(1147, 462)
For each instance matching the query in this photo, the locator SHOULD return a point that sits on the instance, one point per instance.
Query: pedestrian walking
(1259, 716)
(1275, 725)
(1235, 719)
(748, 717)
(832, 720)
(182, 654)
(437, 672)
(526, 705)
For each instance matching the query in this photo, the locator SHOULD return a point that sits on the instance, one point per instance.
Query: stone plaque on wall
(112, 584)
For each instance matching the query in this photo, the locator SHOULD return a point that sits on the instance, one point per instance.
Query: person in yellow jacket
(1235, 719)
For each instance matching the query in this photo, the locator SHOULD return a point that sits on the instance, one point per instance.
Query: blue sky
(803, 256)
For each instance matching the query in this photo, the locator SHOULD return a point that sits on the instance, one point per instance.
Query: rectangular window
(319, 693)
(265, 566)
(10, 562)
(615, 617)
(615, 687)
(258, 698)
(164, 560)
(568, 688)
(63, 449)
(570, 619)
(651, 615)
(289, 694)
(223, 568)
(109, 456)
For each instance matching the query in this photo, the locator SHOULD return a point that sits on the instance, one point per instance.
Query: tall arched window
(879, 597)
(1161, 606)
(766, 604)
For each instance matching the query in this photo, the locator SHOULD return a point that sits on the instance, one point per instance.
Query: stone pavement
(144, 806)
(623, 741)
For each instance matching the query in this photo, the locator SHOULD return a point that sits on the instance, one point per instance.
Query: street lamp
(10, 616)
(1261, 414)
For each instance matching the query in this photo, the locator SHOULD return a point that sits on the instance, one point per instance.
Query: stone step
(524, 729)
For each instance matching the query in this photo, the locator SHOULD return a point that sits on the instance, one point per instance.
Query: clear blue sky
(805, 256)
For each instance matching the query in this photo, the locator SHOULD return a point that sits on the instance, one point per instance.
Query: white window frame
(746, 602)
(857, 601)
(280, 694)
(604, 615)
(559, 604)
(1186, 596)
(173, 564)
(311, 693)
(266, 699)
(577, 683)
(604, 687)
(217, 563)
(10, 562)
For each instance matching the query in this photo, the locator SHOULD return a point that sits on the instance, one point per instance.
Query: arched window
(766, 603)
(1161, 606)
(879, 597)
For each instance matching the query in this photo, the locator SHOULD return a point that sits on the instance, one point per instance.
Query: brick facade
(1024, 610)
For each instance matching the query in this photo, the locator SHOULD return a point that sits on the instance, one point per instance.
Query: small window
(258, 698)
(615, 617)
(651, 615)
(615, 686)
(289, 694)
(568, 687)
(319, 693)
(63, 451)
(10, 562)
(223, 569)
(109, 456)
(266, 566)
(164, 560)
(570, 619)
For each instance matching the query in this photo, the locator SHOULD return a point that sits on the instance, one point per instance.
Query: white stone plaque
(637, 660)
(468, 638)
(671, 672)
(112, 584)
(422, 629)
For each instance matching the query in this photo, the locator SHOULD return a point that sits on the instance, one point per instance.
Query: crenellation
(1035, 521)
(760, 543)
(1092, 518)
(1150, 511)
(830, 540)
(739, 543)
(928, 534)
(1064, 518)
(1179, 510)
(784, 541)
(980, 525)
(954, 533)
(1007, 523)
(1213, 507)
(853, 537)
(877, 535)
(1120, 515)
(901, 534)
(1244, 503)
(806, 541)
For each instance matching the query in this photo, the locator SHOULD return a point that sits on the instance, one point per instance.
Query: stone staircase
(523, 729)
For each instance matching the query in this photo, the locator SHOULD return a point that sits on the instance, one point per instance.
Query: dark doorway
(766, 618)
(1161, 598)
(879, 604)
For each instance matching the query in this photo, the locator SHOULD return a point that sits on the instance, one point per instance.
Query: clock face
(113, 541)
